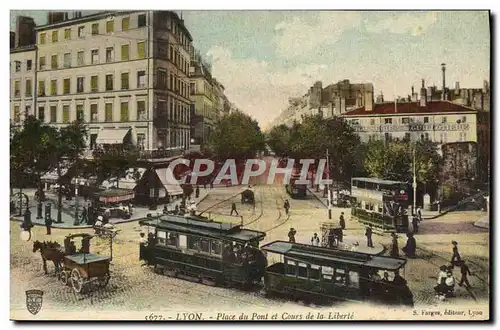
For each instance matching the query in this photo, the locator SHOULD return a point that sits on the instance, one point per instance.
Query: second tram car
(296, 191)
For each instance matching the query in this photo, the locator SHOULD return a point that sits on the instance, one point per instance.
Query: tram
(296, 191)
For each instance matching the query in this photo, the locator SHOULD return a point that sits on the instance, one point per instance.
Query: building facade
(125, 73)
(22, 82)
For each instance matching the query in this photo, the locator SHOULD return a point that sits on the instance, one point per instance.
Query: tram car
(248, 197)
(322, 275)
(296, 191)
(198, 249)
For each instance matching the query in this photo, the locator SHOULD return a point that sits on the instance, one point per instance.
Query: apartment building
(125, 73)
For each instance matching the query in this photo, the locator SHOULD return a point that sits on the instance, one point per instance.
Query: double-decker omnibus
(381, 203)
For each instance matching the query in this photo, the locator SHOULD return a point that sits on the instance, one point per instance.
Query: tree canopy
(112, 163)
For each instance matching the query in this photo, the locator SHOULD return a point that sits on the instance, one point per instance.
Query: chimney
(25, 31)
(423, 96)
(443, 68)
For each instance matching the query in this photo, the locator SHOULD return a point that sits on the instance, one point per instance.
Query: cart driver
(72, 247)
(99, 221)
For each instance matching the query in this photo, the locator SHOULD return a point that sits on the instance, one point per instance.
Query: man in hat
(456, 254)
(48, 218)
(368, 234)
(197, 192)
(394, 247)
(342, 221)
(286, 206)
(233, 209)
(411, 246)
(414, 223)
(315, 240)
(464, 271)
(291, 235)
(419, 214)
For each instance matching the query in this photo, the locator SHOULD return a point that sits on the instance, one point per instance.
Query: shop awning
(52, 176)
(115, 195)
(112, 136)
(168, 180)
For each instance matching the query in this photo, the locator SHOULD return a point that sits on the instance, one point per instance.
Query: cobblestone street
(133, 287)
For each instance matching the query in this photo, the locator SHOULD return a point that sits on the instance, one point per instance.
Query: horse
(49, 251)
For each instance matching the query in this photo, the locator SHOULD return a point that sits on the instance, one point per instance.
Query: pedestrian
(27, 223)
(286, 206)
(211, 185)
(176, 208)
(419, 214)
(411, 246)
(368, 234)
(415, 222)
(325, 190)
(143, 240)
(456, 254)
(342, 220)
(197, 192)
(233, 209)
(315, 240)
(205, 185)
(394, 247)
(84, 218)
(291, 235)
(130, 209)
(48, 218)
(464, 270)
(340, 235)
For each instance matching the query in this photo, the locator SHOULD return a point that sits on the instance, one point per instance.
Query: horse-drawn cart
(81, 269)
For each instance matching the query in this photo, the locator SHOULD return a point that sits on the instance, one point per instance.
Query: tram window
(215, 247)
(182, 241)
(204, 245)
(172, 239)
(315, 272)
(354, 183)
(193, 243)
(354, 279)
(161, 237)
(290, 267)
(302, 270)
(327, 273)
(340, 276)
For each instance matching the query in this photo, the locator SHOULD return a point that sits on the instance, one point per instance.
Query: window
(109, 54)
(53, 113)
(66, 86)
(79, 112)
(162, 108)
(426, 120)
(95, 29)
(93, 138)
(444, 137)
(171, 85)
(407, 136)
(43, 37)
(462, 120)
(42, 63)
(94, 112)
(193, 243)
(193, 88)
(427, 136)
(161, 237)
(94, 83)
(125, 80)
(110, 26)
(67, 60)
(53, 62)
(28, 65)
(17, 114)
(354, 279)
(81, 58)
(41, 88)
(171, 57)
(55, 36)
(95, 56)
(67, 34)
(290, 267)
(141, 79)
(372, 121)
(18, 66)
(141, 20)
(81, 30)
(173, 239)
(388, 137)
(340, 276)
(405, 120)
(388, 120)
(41, 114)
(125, 54)
(215, 247)
(29, 89)
(315, 272)
(141, 138)
(109, 82)
(204, 245)
(443, 120)
(141, 110)
(162, 79)
(141, 49)
(53, 87)
(79, 84)
(124, 111)
(125, 23)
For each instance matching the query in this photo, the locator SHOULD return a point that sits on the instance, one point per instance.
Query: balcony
(159, 154)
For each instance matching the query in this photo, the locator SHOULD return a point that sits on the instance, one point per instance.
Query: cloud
(258, 89)
(414, 23)
(296, 37)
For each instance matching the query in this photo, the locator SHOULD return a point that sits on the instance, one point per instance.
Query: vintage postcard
(250, 165)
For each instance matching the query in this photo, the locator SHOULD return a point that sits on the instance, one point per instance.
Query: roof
(86, 258)
(114, 192)
(389, 108)
(21, 49)
(326, 256)
(212, 229)
(378, 181)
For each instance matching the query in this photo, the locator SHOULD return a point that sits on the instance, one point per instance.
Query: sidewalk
(68, 211)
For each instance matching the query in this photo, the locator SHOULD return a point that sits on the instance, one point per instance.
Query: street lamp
(328, 187)
(39, 204)
(77, 182)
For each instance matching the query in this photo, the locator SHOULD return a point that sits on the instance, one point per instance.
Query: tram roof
(378, 181)
(199, 226)
(326, 256)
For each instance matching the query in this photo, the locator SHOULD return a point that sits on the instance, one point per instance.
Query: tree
(113, 163)
(279, 139)
(235, 136)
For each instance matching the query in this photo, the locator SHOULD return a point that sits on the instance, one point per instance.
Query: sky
(264, 57)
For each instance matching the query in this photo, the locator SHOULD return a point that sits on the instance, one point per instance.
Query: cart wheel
(103, 281)
(64, 277)
(76, 281)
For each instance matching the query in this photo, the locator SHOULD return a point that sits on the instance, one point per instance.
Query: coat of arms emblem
(34, 300)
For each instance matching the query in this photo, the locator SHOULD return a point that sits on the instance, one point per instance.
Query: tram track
(219, 203)
(261, 210)
(279, 217)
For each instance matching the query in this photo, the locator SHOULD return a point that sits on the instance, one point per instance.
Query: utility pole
(328, 187)
(414, 182)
